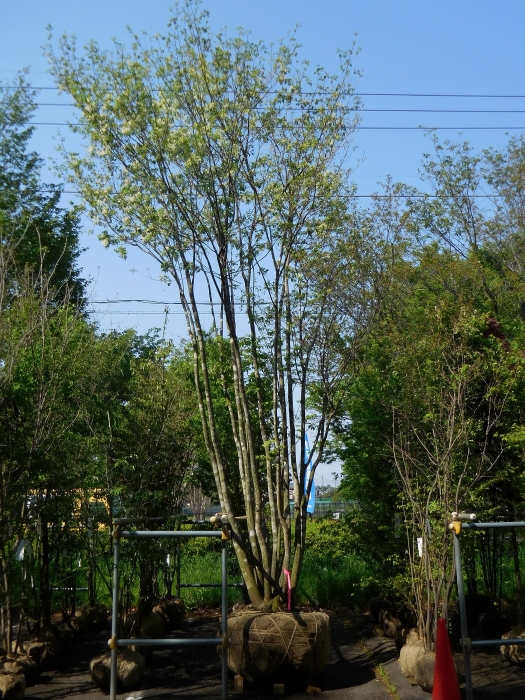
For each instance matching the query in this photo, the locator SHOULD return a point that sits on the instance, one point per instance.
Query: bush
(327, 541)
(333, 574)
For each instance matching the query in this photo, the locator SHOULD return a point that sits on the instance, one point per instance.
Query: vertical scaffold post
(177, 566)
(225, 638)
(465, 641)
(114, 614)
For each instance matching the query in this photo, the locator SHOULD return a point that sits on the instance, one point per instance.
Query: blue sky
(407, 46)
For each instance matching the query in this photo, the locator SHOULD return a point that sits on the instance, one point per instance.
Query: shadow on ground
(186, 673)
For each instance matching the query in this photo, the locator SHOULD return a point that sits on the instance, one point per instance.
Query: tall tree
(223, 160)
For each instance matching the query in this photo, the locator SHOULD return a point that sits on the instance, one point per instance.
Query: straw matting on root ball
(130, 669)
(272, 647)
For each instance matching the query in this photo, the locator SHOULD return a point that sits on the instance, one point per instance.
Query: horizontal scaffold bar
(147, 519)
(56, 588)
(497, 642)
(171, 533)
(166, 642)
(210, 585)
(490, 526)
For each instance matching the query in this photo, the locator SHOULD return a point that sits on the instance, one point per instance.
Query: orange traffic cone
(446, 686)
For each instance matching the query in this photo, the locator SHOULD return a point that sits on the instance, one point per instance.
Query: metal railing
(457, 526)
(114, 642)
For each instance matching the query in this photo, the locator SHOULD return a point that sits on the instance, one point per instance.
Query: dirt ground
(360, 667)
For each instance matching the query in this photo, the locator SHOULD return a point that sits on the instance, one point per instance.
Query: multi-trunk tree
(223, 159)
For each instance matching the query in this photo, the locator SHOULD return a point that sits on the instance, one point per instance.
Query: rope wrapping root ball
(278, 647)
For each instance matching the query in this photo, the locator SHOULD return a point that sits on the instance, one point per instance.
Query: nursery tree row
(395, 331)
(435, 413)
(91, 424)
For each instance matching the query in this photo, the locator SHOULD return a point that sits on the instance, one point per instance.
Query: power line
(358, 128)
(429, 94)
(148, 313)
(437, 128)
(150, 301)
(364, 109)
(358, 196)
(349, 94)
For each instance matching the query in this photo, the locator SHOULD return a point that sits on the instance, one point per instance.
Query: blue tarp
(310, 508)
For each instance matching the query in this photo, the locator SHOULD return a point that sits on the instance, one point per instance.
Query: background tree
(37, 236)
(37, 241)
(440, 374)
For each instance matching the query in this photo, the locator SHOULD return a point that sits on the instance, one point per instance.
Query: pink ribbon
(289, 586)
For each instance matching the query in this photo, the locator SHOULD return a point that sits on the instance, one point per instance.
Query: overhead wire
(352, 196)
(367, 128)
(148, 313)
(363, 109)
(357, 128)
(360, 128)
(151, 301)
(367, 110)
(320, 92)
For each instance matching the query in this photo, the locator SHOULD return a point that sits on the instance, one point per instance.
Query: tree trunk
(517, 575)
(45, 594)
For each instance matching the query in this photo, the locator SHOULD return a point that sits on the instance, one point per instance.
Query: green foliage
(205, 568)
(37, 237)
(399, 328)
(328, 541)
(156, 443)
(435, 406)
(347, 581)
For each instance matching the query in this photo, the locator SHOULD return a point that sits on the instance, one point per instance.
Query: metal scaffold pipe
(115, 642)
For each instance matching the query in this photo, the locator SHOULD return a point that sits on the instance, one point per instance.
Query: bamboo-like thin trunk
(517, 575)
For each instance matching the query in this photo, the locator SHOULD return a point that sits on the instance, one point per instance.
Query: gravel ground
(195, 672)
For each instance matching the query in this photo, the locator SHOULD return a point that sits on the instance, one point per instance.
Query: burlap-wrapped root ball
(94, 617)
(12, 686)
(45, 650)
(515, 653)
(22, 665)
(424, 671)
(130, 669)
(172, 610)
(410, 653)
(278, 647)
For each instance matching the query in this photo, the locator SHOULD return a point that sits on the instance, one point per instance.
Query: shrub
(327, 541)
